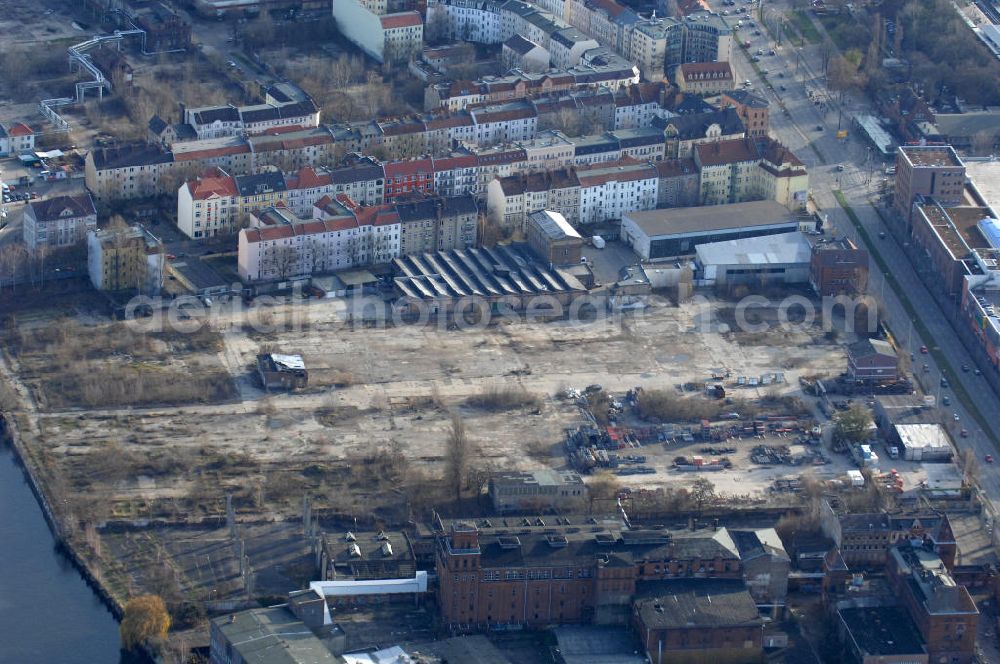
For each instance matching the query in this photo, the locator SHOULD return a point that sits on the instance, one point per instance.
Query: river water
(48, 614)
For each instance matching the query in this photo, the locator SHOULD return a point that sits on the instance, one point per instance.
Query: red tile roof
(400, 20)
(20, 129)
(459, 161)
(395, 169)
(307, 178)
(726, 152)
(212, 153)
(207, 187)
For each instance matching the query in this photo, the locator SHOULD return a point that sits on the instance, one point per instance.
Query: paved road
(859, 182)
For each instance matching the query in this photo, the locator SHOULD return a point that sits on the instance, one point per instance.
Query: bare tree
(12, 259)
(340, 71)
(983, 142)
(456, 456)
(285, 261)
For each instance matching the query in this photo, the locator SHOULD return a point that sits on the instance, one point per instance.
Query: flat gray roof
(781, 249)
(679, 221)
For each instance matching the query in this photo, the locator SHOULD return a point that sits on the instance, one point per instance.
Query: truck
(598, 242)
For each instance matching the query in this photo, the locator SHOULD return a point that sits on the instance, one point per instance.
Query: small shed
(283, 372)
(924, 442)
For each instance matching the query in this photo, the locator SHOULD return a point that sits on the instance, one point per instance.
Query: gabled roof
(20, 129)
(746, 98)
(732, 151)
(520, 45)
(395, 169)
(400, 20)
(261, 183)
(157, 125)
(697, 603)
(701, 71)
(212, 186)
(135, 154)
(50, 209)
(695, 125)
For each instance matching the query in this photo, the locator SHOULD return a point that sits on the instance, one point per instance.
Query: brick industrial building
(564, 573)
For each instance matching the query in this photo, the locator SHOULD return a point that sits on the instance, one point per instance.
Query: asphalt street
(859, 182)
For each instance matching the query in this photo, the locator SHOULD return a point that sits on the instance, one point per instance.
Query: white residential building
(61, 221)
(607, 191)
(296, 247)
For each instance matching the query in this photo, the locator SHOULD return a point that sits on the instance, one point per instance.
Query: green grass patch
(939, 357)
(803, 23)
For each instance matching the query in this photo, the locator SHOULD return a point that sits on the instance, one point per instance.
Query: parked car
(988, 458)
(955, 417)
(946, 400)
(965, 368)
(923, 350)
(944, 382)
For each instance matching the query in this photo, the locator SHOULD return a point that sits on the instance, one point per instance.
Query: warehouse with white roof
(765, 260)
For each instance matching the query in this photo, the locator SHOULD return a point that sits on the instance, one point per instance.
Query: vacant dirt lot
(369, 433)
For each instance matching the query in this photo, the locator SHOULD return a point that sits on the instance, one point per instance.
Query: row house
(683, 132)
(456, 174)
(637, 105)
(678, 183)
(727, 171)
(504, 123)
(438, 223)
(609, 190)
(408, 177)
(360, 178)
(297, 248)
(129, 171)
(219, 204)
(512, 199)
(752, 110)
(597, 68)
(641, 144)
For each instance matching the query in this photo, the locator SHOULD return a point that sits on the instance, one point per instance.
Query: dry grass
(666, 407)
(112, 365)
(497, 398)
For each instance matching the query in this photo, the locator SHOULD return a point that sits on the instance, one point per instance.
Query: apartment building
(567, 46)
(683, 132)
(456, 174)
(637, 105)
(60, 221)
(678, 183)
(931, 171)
(838, 267)
(704, 78)
(20, 138)
(609, 190)
(510, 200)
(130, 171)
(504, 123)
(751, 108)
(408, 177)
(728, 170)
(437, 224)
(128, 258)
(738, 170)
(218, 204)
(393, 37)
(284, 246)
